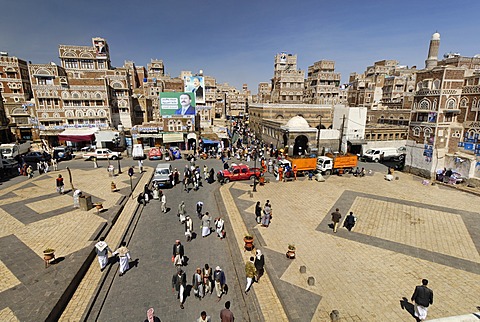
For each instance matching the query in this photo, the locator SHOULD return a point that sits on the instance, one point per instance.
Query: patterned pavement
(405, 232)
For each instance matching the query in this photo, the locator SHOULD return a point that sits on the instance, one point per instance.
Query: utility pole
(341, 135)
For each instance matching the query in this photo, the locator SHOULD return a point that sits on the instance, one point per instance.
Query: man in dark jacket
(179, 282)
(177, 253)
(423, 297)
(336, 219)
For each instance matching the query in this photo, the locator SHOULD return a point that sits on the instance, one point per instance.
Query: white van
(137, 152)
(383, 154)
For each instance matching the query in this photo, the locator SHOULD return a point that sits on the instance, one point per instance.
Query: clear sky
(236, 41)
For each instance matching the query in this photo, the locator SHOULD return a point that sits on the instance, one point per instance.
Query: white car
(102, 154)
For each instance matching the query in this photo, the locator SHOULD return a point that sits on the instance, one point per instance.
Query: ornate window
(464, 102)
(419, 86)
(79, 113)
(416, 131)
(424, 104)
(451, 104)
(436, 84)
(179, 125)
(75, 95)
(69, 114)
(90, 113)
(101, 113)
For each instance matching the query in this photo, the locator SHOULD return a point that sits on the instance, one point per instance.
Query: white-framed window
(86, 63)
(464, 102)
(179, 125)
(71, 63)
(427, 133)
(171, 125)
(416, 131)
(436, 84)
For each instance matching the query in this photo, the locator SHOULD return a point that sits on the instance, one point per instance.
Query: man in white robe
(102, 250)
(188, 228)
(163, 200)
(219, 224)
(124, 257)
(205, 225)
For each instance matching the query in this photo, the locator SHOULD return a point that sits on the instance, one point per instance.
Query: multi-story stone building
(444, 132)
(288, 82)
(323, 83)
(5, 134)
(264, 93)
(17, 94)
(386, 89)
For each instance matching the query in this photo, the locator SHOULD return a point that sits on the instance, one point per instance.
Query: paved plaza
(405, 231)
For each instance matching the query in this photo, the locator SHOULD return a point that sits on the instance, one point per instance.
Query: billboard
(196, 85)
(173, 103)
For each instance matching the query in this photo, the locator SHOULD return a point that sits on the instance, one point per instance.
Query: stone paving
(35, 217)
(405, 232)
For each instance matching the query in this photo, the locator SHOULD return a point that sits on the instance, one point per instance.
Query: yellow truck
(329, 163)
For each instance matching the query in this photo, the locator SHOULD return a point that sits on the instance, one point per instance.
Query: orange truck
(304, 165)
(329, 163)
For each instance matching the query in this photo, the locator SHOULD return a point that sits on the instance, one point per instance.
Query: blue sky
(236, 41)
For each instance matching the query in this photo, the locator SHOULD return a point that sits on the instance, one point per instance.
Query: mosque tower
(432, 59)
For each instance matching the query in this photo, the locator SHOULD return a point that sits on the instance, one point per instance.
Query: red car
(238, 172)
(155, 154)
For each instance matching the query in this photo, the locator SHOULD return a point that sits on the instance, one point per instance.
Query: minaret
(433, 51)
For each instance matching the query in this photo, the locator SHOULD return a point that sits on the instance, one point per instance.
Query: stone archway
(301, 145)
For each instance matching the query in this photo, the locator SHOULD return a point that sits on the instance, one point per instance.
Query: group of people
(348, 223)
(122, 252)
(263, 215)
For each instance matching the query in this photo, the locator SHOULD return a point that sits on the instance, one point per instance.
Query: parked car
(8, 164)
(62, 153)
(102, 154)
(36, 156)
(155, 154)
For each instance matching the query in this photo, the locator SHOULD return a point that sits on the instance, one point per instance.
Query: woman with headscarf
(259, 265)
(258, 212)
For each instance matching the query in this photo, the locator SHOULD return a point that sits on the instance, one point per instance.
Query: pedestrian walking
(259, 265)
(178, 253)
(205, 172)
(206, 225)
(197, 284)
(40, 167)
(179, 283)
(199, 209)
(219, 227)
(30, 172)
(102, 249)
(156, 192)
(267, 213)
(151, 316)
(350, 221)
(336, 216)
(250, 273)
(181, 212)
(188, 228)
(95, 163)
(60, 184)
(124, 256)
(207, 279)
(204, 317)
(76, 198)
(225, 314)
(176, 176)
(45, 166)
(146, 193)
(140, 166)
(423, 297)
(163, 200)
(258, 212)
(219, 280)
(54, 164)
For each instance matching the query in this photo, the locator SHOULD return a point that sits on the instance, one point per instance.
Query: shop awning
(78, 135)
(172, 137)
(207, 141)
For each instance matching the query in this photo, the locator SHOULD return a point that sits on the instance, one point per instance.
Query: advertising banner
(196, 85)
(178, 104)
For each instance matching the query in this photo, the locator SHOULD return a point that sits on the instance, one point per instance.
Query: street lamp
(254, 154)
(116, 141)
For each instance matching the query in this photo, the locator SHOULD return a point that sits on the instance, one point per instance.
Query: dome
(436, 36)
(297, 122)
